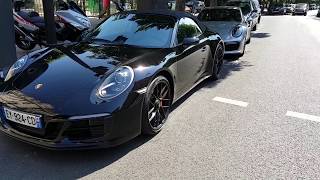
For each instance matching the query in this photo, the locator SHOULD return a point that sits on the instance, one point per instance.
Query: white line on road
(230, 101)
(303, 116)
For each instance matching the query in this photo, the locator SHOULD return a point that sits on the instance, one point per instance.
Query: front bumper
(299, 12)
(234, 47)
(86, 132)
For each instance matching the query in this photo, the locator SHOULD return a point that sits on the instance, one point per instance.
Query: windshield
(245, 6)
(220, 15)
(150, 31)
(301, 5)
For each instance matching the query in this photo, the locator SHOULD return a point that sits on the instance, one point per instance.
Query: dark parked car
(288, 8)
(301, 9)
(119, 82)
(249, 12)
(231, 26)
(277, 9)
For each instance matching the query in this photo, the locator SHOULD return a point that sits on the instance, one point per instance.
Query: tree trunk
(180, 5)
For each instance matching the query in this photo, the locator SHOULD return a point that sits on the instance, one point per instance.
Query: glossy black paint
(70, 76)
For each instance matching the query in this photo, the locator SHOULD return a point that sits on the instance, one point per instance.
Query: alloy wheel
(159, 104)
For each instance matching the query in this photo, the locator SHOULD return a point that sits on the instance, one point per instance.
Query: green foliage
(186, 30)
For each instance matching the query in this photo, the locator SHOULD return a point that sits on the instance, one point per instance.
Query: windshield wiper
(104, 41)
(128, 45)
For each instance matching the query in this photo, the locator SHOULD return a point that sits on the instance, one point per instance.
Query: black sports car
(116, 84)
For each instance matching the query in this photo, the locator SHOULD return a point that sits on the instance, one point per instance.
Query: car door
(192, 59)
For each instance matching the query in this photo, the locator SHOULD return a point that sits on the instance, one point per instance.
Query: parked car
(277, 9)
(301, 9)
(289, 8)
(231, 26)
(250, 14)
(119, 82)
(312, 6)
(257, 7)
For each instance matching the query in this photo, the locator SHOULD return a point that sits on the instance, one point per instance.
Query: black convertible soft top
(175, 14)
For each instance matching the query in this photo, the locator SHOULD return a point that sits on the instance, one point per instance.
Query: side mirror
(190, 41)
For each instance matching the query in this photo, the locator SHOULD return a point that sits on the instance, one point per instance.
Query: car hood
(223, 28)
(62, 80)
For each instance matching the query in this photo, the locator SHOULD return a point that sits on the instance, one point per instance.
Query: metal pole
(48, 10)
(7, 43)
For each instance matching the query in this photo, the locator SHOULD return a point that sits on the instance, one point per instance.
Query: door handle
(204, 49)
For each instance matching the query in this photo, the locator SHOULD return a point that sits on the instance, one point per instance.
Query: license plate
(26, 119)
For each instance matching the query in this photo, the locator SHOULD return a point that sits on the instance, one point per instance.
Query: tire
(156, 106)
(244, 50)
(255, 27)
(217, 62)
(259, 19)
(305, 14)
(293, 14)
(249, 41)
(25, 45)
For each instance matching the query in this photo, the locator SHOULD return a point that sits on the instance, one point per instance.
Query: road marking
(303, 116)
(230, 101)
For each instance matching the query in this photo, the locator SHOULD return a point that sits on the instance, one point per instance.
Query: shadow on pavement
(260, 35)
(228, 68)
(22, 161)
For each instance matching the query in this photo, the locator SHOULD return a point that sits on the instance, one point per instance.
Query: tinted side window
(187, 29)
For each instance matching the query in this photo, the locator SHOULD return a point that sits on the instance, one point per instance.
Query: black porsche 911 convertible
(119, 82)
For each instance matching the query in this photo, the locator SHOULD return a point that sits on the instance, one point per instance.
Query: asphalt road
(204, 138)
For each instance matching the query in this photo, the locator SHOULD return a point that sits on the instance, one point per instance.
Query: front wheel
(217, 62)
(156, 107)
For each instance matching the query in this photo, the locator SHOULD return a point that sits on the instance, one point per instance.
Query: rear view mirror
(190, 41)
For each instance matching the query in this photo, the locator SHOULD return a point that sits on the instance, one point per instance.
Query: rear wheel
(217, 62)
(157, 104)
(255, 27)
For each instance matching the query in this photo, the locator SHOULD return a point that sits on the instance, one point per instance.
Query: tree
(180, 5)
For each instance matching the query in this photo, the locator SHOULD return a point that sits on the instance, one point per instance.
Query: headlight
(118, 82)
(237, 31)
(19, 64)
